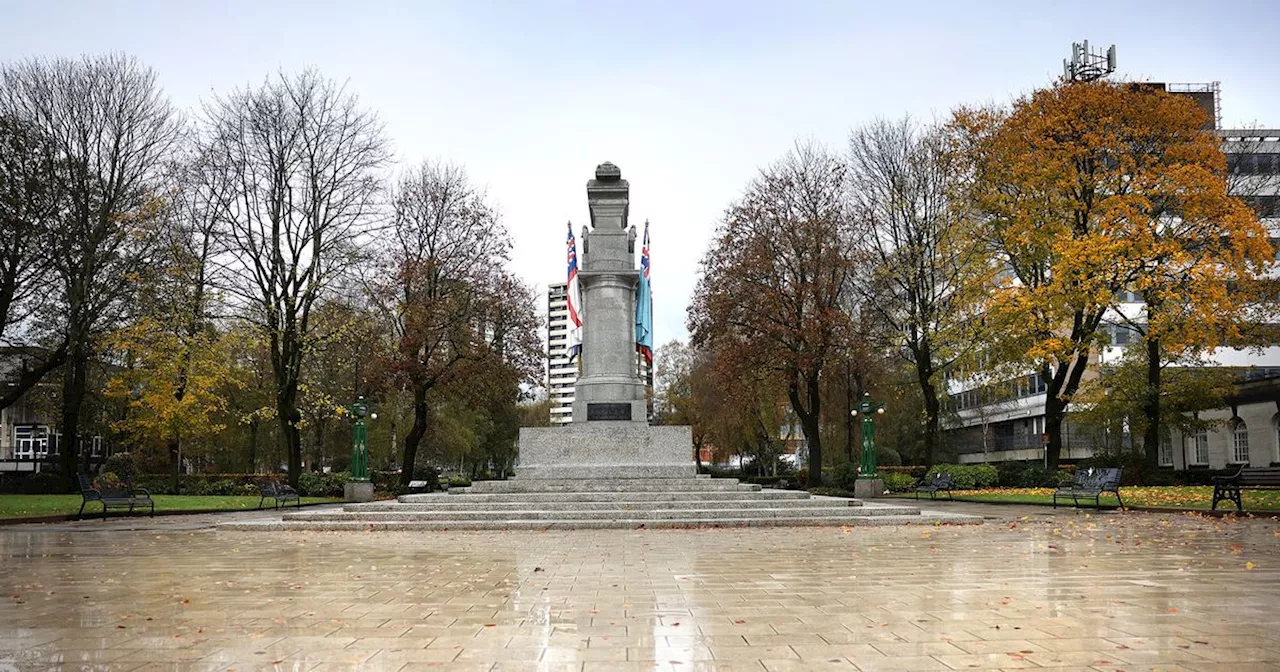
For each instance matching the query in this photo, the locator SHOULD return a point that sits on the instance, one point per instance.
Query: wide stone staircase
(540, 504)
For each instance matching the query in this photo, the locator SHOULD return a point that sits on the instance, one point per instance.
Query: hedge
(898, 482)
(310, 484)
(969, 476)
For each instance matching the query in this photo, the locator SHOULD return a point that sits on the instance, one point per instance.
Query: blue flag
(644, 304)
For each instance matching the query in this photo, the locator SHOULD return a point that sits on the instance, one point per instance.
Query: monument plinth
(610, 436)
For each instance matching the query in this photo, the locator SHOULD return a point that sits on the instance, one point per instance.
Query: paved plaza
(1031, 588)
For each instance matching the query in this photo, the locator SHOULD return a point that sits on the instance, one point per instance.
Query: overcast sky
(688, 98)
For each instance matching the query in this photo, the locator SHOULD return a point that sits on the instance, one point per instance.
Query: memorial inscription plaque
(606, 411)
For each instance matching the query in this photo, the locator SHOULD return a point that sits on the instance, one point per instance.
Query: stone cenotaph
(610, 436)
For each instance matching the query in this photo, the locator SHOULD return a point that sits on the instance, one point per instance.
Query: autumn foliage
(1087, 189)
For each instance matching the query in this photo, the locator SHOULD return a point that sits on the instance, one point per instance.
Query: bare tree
(442, 273)
(28, 205)
(919, 257)
(107, 129)
(300, 163)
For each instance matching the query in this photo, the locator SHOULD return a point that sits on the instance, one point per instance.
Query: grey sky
(688, 98)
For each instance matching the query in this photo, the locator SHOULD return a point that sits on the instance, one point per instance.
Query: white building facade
(562, 373)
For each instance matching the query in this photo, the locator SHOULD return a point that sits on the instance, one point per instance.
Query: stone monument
(607, 468)
(610, 436)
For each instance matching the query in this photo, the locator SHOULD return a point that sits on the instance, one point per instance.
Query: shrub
(43, 483)
(1037, 476)
(428, 473)
(122, 465)
(225, 487)
(313, 484)
(156, 485)
(914, 471)
(844, 477)
(887, 457)
(985, 475)
(898, 482)
(386, 481)
(459, 482)
(969, 476)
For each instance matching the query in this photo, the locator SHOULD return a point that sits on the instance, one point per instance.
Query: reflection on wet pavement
(1122, 591)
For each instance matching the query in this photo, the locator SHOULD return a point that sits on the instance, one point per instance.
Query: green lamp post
(867, 469)
(359, 488)
(360, 442)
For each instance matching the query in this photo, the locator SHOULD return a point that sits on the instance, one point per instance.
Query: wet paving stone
(1027, 590)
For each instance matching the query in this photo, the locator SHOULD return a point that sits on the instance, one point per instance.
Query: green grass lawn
(22, 506)
(1183, 496)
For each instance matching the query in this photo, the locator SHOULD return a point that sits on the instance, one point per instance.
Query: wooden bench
(1227, 488)
(278, 492)
(939, 483)
(114, 497)
(1089, 484)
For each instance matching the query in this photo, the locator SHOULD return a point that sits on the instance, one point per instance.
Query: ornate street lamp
(359, 488)
(867, 470)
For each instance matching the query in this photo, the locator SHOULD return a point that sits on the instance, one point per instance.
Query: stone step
(466, 504)
(608, 496)
(607, 485)
(582, 524)
(650, 514)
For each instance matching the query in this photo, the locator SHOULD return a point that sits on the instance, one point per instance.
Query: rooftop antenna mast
(1086, 65)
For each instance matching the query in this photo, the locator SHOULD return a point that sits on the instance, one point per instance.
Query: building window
(1122, 335)
(30, 442)
(1166, 451)
(1201, 456)
(1239, 443)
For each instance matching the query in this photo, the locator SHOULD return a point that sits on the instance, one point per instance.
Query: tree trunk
(175, 462)
(809, 420)
(932, 406)
(1059, 388)
(1054, 414)
(73, 390)
(849, 432)
(253, 445)
(290, 437)
(1151, 405)
(414, 437)
(317, 451)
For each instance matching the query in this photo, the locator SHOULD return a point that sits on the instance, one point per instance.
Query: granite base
(865, 488)
(358, 491)
(592, 450)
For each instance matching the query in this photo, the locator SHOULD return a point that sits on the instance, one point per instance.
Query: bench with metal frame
(940, 482)
(1227, 488)
(121, 496)
(279, 492)
(1090, 483)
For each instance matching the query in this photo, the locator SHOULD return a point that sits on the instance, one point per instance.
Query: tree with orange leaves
(1086, 189)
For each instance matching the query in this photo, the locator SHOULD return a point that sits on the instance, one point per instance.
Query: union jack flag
(574, 299)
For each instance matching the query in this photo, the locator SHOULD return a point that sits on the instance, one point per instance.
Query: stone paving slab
(1117, 591)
